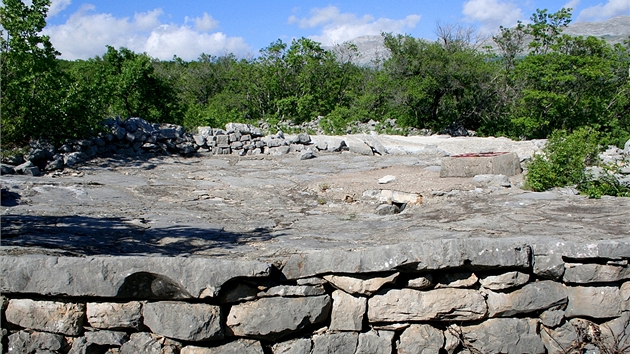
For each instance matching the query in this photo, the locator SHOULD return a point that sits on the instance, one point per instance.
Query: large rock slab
(434, 305)
(429, 255)
(481, 164)
(48, 316)
(531, 297)
(606, 249)
(348, 312)
(421, 339)
(594, 273)
(593, 301)
(183, 321)
(504, 335)
(113, 315)
(273, 317)
(123, 277)
(239, 346)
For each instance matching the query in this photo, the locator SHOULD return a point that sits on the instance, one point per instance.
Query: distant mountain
(371, 48)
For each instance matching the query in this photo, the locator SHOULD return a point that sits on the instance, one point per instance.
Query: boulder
(433, 305)
(273, 317)
(49, 316)
(113, 315)
(531, 297)
(183, 321)
(421, 339)
(360, 285)
(504, 335)
(347, 312)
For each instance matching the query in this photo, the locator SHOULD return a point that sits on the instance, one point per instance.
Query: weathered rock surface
(377, 342)
(126, 277)
(183, 321)
(440, 304)
(110, 338)
(549, 267)
(239, 346)
(36, 342)
(294, 346)
(421, 339)
(531, 297)
(504, 281)
(142, 342)
(49, 316)
(594, 273)
(504, 335)
(274, 317)
(114, 315)
(347, 312)
(420, 283)
(457, 280)
(367, 285)
(593, 301)
(300, 290)
(342, 343)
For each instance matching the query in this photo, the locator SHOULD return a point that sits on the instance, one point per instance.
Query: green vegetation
(554, 83)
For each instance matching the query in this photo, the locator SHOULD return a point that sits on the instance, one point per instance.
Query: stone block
(421, 339)
(239, 346)
(146, 343)
(434, 305)
(338, 343)
(594, 273)
(375, 342)
(273, 317)
(360, 285)
(593, 301)
(504, 281)
(288, 290)
(35, 342)
(183, 321)
(549, 267)
(504, 335)
(347, 312)
(49, 316)
(115, 315)
(469, 165)
(391, 196)
(531, 297)
(294, 346)
(111, 338)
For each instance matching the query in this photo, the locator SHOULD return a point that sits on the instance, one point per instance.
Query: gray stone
(492, 181)
(421, 339)
(73, 158)
(552, 318)
(420, 283)
(452, 338)
(624, 294)
(558, 339)
(338, 343)
(303, 138)
(359, 147)
(375, 145)
(593, 301)
(549, 267)
(387, 209)
(113, 338)
(507, 164)
(294, 346)
(504, 281)
(271, 318)
(361, 285)
(347, 312)
(391, 196)
(20, 168)
(35, 342)
(8, 169)
(126, 277)
(594, 273)
(32, 171)
(306, 155)
(56, 164)
(190, 322)
(606, 249)
(239, 346)
(615, 334)
(375, 342)
(457, 280)
(279, 150)
(321, 144)
(531, 297)
(311, 281)
(241, 292)
(49, 316)
(287, 290)
(146, 343)
(504, 335)
(440, 305)
(428, 255)
(112, 315)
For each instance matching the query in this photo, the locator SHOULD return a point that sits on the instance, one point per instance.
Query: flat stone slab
(472, 164)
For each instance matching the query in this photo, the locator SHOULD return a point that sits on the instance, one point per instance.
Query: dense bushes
(556, 82)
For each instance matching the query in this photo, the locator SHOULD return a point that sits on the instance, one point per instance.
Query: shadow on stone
(145, 285)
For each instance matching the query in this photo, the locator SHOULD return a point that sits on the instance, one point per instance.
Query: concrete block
(470, 165)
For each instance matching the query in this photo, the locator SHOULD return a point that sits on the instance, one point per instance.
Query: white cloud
(602, 12)
(490, 14)
(572, 4)
(56, 6)
(340, 27)
(87, 33)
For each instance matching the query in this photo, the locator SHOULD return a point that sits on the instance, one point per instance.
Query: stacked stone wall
(450, 296)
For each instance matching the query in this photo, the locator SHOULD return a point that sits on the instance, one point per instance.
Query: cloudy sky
(81, 29)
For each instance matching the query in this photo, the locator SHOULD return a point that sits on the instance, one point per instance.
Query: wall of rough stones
(448, 296)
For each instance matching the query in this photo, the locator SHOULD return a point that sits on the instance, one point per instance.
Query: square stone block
(470, 165)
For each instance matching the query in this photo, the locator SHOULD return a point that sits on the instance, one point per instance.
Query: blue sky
(186, 28)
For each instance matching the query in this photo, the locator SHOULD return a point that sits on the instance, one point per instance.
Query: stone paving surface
(268, 208)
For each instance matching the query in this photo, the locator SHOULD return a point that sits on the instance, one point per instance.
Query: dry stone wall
(447, 296)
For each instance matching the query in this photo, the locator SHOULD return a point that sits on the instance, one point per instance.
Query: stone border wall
(448, 296)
